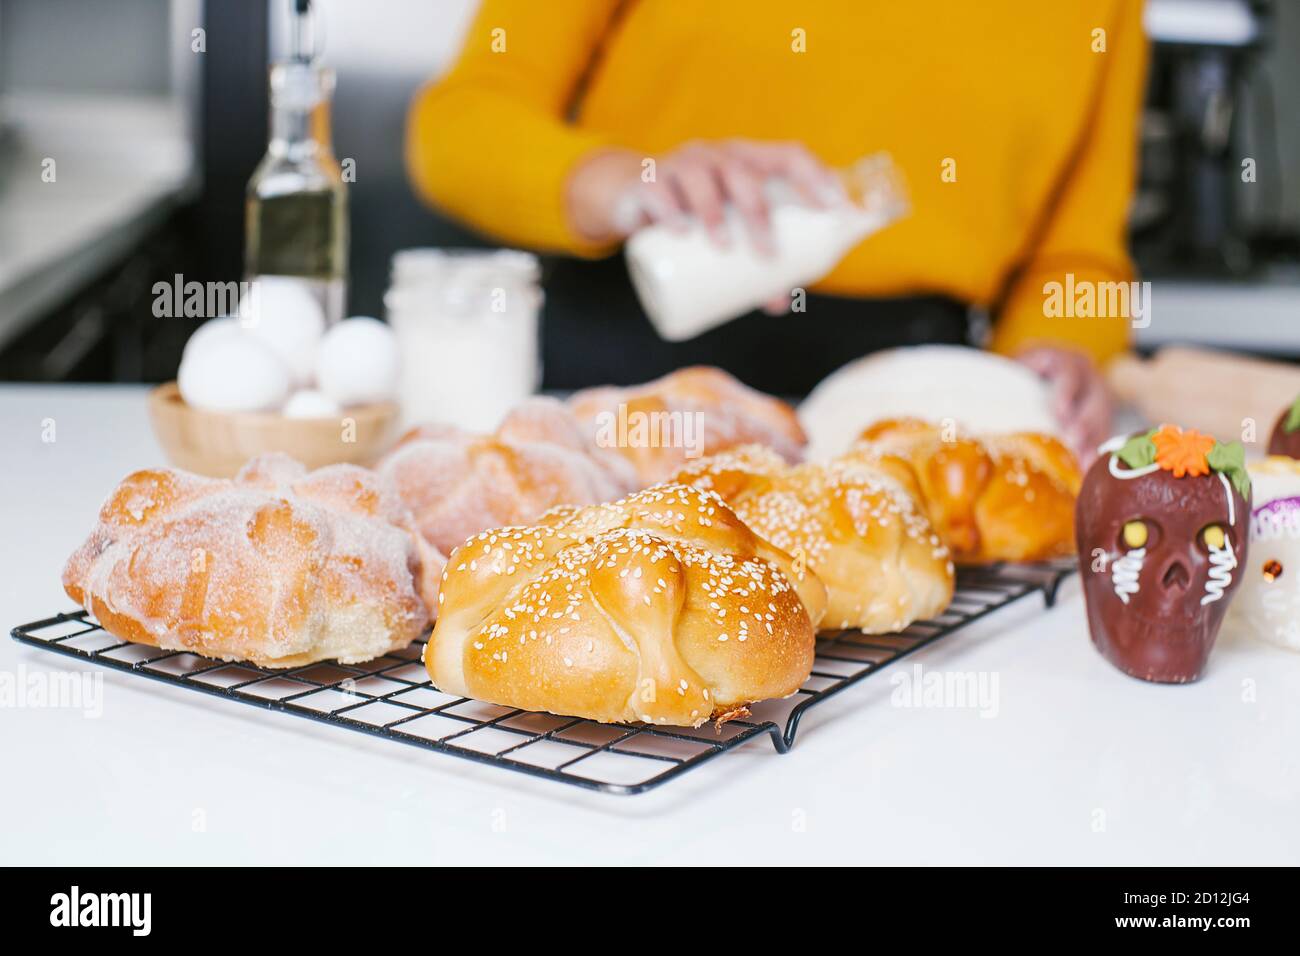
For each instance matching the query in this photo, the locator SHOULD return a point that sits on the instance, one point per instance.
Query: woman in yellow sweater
(1013, 121)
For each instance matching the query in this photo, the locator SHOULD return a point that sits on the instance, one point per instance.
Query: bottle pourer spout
(303, 38)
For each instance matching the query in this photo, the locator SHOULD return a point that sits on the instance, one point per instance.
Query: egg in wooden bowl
(279, 381)
(217, 444)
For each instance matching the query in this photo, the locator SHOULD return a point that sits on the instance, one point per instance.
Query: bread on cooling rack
(457, 483)
(661, 607)
(856, 524)
(278, 566)
(1007, 497)
(653, 425)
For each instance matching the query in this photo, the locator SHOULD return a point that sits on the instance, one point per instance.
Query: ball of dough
(233, 373)
(977, 391)
(284, 314)
(358, 362)
(309, 403)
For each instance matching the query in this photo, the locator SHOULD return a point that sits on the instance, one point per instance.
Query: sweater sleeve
(1085, 232)
(489, 143)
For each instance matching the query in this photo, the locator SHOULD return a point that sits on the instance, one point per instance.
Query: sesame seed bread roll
(1003, 497)
(694, 411)
(857, 524)
(278, 566)
(661, 608)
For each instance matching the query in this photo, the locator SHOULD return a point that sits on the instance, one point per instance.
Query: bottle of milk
(688, 285)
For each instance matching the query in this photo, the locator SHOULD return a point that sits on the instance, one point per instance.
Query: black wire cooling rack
(391, 697)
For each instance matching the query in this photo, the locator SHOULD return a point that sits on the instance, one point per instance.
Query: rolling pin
(1219, 393)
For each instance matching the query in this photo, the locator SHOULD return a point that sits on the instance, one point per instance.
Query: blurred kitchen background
(154, 143)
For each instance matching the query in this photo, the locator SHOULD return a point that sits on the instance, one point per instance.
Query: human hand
(608, 198)
(1080, 399)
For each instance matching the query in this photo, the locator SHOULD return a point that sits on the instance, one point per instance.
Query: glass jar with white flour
(467, 325)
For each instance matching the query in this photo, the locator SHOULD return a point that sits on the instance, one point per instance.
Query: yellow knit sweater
(1013, 121)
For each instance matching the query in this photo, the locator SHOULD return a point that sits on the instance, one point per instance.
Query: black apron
(594, 332)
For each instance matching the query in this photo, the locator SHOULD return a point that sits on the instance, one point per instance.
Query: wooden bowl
(219, 443)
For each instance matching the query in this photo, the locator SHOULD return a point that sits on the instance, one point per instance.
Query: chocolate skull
(1285, 439)
(1159, 556)
(1268, 605)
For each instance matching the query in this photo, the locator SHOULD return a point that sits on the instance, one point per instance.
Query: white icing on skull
(1222, 559)
(1126, 574)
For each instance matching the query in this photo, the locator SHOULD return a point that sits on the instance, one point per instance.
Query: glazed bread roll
(278, 566)
(457, 483)
(661, 608)
(661, 425)
(856, 523)
(991, 497)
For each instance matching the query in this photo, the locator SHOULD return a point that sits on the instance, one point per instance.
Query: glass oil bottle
(296, 209)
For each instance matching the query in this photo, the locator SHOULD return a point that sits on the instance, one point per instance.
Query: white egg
(233, 374)
(283, 313)
(357, 362)
(209, 332)
(310, 403)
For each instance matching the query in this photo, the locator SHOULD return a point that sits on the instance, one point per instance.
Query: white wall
(408, 38)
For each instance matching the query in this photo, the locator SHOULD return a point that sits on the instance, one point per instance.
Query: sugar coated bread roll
(661, 425)
(856, 523)
(278, 566)
(661, 608)
(1005, 497)
(458, 484)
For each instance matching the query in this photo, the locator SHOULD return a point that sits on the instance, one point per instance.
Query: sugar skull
(1162, 527)
(1285, 439)
(1268, 606)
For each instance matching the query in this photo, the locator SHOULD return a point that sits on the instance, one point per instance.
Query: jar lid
(420, 265)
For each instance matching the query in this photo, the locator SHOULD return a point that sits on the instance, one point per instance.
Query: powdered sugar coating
(278, 566)
(458, 484)
(729, 414)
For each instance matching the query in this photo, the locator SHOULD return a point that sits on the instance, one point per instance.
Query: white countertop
(1080, 765)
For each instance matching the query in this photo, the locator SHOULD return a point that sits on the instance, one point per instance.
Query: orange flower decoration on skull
(1182, 452)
